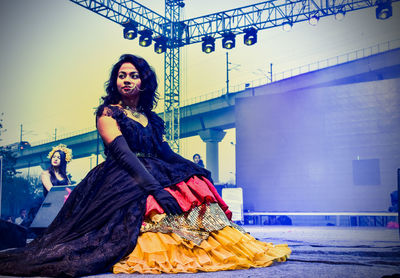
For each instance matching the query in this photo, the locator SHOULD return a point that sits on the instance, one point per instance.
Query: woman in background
(197, 159)
(56, 174)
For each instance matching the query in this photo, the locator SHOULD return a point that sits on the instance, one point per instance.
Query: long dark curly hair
(148, 95)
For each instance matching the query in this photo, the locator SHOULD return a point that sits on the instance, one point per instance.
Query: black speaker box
(51, 206)
(12, 235)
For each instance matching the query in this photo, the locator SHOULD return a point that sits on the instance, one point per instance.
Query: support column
(212, 137)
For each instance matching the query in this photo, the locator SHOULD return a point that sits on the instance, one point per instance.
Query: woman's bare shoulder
(108, 110)
(45, 173)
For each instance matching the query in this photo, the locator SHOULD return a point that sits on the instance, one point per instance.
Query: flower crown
(64, 149)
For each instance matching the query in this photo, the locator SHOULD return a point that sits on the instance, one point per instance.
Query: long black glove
(127, 159)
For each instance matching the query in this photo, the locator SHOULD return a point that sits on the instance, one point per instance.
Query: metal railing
(333, 61)
(63, 136)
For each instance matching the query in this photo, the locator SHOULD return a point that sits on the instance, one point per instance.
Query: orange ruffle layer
(190, 194)
(226, 249)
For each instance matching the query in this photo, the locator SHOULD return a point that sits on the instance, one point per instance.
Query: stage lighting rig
(287, 26)
(340, 15)
(130, 31)
(250, 36)
(145, 38)
(160, 45)
(181, 4)
(384, 9)
(228, 40)
(208, 44)
(313, 20)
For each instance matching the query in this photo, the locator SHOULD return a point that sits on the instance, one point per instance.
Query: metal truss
(172, 74)
(121, 11)
(264, 15)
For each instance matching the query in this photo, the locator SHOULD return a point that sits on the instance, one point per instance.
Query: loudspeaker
(12, 235)
(51, 206)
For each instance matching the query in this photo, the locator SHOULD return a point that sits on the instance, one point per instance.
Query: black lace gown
(100, 221)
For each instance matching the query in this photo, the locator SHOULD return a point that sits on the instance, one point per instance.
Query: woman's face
(128, 80)
(56, 159)
(196, 159)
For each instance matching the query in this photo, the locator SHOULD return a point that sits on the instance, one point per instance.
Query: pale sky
(55, 57)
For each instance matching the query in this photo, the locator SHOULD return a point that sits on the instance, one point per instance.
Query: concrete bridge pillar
(212, 137)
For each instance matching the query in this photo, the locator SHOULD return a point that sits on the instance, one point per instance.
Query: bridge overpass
(209, 118)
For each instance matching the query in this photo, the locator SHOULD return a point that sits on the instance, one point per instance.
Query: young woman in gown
(145, 209)
(56, 174)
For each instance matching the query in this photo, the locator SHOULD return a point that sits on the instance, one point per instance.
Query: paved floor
(363, 252)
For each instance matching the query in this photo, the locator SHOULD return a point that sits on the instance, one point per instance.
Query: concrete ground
(366, 252)
(317, 252)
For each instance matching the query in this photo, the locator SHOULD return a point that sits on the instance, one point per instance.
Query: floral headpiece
(64, 149)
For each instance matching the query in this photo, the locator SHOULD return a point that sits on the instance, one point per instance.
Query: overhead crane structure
(177, 33)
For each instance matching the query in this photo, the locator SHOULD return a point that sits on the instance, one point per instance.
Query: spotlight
(130, 30)
(384, 9)
(145, 38)
(287, 26)
(181, 4)
(313, 20)
(228, 40)
(250, 36)
(208, 44)
(160, 45)
(340, 15)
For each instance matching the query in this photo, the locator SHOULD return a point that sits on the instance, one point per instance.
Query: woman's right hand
(167, 202)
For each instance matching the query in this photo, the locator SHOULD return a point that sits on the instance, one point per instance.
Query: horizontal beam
(121, 11)
(266, 15)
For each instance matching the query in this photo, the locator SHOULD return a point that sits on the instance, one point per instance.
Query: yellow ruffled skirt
(225, 249)
(200, 239)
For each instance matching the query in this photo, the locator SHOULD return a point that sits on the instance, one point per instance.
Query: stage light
(180, 3)
(340, 15)
(160, 45)
(130, 30)
(250, 36)
(208, 44)
(313, 20)
(384, 9)
(287, 26)
(228, 41)
(145, 38)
